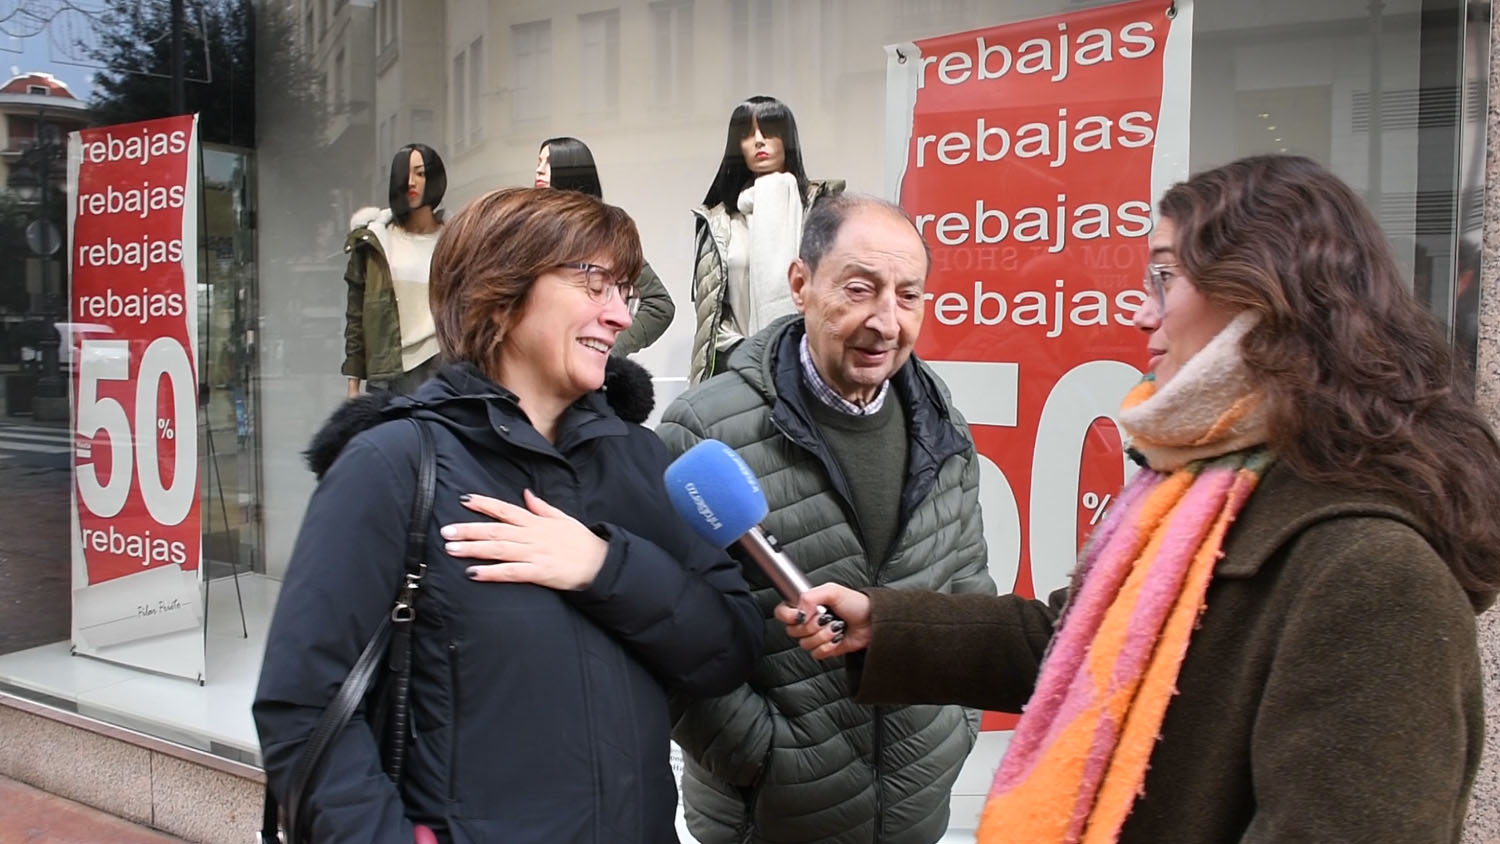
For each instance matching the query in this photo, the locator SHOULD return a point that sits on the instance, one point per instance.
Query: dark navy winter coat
(537, 715)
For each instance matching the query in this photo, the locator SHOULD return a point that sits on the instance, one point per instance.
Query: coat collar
(1283, 506)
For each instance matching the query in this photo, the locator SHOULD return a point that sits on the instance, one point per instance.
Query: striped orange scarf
(1079, 755)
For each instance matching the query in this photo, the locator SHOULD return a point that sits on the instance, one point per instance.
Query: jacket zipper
(453, 742)
(879, 732)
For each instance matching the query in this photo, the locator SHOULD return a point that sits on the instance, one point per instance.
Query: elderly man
(872, 480)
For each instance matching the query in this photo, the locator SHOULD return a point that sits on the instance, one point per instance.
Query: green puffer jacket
(372, 327)
(652, 316)
(788, 757)
(710, 245)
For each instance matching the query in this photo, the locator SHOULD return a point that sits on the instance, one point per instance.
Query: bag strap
(357, 685)
(399, 664)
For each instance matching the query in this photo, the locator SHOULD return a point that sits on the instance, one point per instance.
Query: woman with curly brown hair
(1271, 636)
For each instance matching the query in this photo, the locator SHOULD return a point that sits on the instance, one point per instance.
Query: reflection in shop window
(755, 45)
(421, 125)
(599, 62)
(672, 55)
(476, 78)
(531, 74)
(338, 81)
(936, 16)
(460, 101)
(385, 26)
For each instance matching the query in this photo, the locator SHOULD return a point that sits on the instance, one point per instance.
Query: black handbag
(388, 711)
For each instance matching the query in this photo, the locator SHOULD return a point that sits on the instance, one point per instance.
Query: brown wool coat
(1331, 694)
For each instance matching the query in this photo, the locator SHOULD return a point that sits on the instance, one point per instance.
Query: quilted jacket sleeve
(729, 735)
(651, 318)
(354, 316)
(708, 288)
(973, 574)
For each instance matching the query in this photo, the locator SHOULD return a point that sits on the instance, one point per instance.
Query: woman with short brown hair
(539, 684)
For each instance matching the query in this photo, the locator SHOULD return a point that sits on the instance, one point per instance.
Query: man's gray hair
(823, 223)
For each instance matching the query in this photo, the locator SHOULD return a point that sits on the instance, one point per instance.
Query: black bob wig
(437, 180)
(572, 166)
(775, 121)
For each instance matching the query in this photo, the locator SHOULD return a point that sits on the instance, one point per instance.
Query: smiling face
(762, 154)
(416, 180)
(863, 303)
(559, 344)
(544, 167)
(1185, 320)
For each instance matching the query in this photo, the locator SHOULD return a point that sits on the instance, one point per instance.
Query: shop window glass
(531, 70)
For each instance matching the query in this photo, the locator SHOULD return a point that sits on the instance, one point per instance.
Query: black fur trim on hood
(344, 424)
(627, 388)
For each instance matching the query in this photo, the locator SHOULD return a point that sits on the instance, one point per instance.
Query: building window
(387, 140)
(338, 80)
(421, 125)
(385, 23)
(476, 85)
(37, 90)
(774, 45)
(755, 47)
(531, 76)
(599, 63)
(460, 100)
(672, 55)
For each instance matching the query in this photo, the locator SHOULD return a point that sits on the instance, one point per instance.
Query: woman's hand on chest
(537, 544)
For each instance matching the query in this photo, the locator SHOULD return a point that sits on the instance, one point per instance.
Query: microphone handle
(784, 574)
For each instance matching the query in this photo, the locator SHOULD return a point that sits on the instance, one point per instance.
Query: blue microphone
(715, 492)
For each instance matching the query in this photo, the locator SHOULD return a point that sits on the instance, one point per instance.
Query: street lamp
(30, 182)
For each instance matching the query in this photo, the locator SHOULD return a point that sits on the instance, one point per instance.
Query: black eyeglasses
(599, 281)
(1156, 281)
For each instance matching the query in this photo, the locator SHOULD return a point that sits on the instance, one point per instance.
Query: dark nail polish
(837, 627)
(838, 638)
(465, 497)
(801, 617)
(825, 620)
(471, 572)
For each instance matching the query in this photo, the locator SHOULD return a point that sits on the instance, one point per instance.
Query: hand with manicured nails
(537, 544)
(813, 624)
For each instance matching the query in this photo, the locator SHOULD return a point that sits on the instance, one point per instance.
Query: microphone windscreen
(715, 492)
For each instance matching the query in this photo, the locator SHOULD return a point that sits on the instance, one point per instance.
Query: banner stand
(205, 392)
(136, 524)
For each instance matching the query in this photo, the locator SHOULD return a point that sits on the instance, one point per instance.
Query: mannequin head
(566, 164)
(407, 172)
(738, 168)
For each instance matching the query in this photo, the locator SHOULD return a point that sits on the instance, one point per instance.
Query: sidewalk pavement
(36, 817)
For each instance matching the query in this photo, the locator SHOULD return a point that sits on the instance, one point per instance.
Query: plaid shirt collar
(827, 395)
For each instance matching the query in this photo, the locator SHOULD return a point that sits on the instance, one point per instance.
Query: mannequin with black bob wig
(389, 342)
(565, 163)
(748, 230)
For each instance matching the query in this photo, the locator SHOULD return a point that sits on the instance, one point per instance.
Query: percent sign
(1096, 504)
(164, 430)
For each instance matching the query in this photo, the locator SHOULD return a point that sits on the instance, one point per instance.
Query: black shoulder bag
(388, 713)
